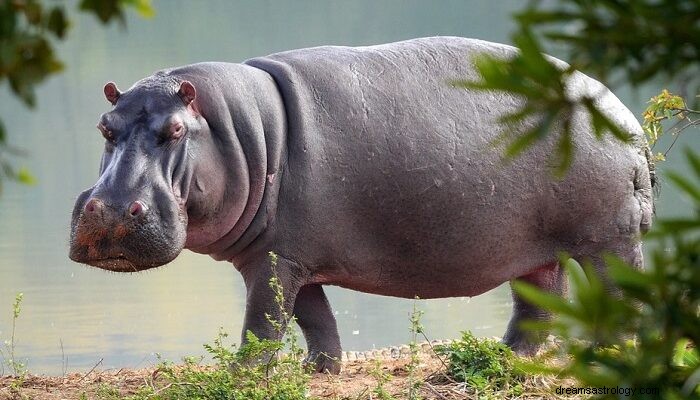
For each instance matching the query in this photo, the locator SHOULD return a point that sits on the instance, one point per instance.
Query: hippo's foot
(316, 320)
(522, 344)
(322, 362)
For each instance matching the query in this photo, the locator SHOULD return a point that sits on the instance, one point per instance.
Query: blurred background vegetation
(28, 32)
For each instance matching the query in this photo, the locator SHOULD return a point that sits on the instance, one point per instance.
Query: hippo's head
(135, 217)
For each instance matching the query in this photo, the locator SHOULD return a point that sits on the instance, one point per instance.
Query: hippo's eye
(106, 133)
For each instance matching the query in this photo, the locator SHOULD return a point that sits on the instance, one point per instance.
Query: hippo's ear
(187, 92)
(111, 92)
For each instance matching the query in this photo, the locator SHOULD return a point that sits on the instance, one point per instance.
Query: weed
(16, 367)
(414, 383)
(382, 379)
(486, 366)
(9, 357)
(106, 392)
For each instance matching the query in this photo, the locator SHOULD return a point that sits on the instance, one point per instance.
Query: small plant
(382, 379)
(105, 392)
(16, 367)
(414, 383)
(486, 366)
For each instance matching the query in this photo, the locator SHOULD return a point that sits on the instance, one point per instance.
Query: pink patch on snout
(270, 178)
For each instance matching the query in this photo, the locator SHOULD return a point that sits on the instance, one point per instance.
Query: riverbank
(359, 379)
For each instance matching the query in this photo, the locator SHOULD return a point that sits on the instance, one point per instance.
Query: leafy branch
(664, 107)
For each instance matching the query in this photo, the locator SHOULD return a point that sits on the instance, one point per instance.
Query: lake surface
(75, 315)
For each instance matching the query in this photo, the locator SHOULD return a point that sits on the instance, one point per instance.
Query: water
(76, 315)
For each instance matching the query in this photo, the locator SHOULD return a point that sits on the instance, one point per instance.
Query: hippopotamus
(359, 167)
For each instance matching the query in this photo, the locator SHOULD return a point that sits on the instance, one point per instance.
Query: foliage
(659, 306)
(665, 39)
(596, 33)
(486, 366)
(28, 29)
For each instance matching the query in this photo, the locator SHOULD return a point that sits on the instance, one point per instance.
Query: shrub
(487, 366)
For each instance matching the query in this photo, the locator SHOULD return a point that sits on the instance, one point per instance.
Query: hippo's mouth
(117, 264)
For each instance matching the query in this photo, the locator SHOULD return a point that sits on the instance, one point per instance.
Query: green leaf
(565, 151)
(525, 140)
(679, 224)
(25, 177)
(536, 296)
(104, 10)
(58, 24)
(537, 66)
(108, 10)
(685, 185)
(694, 161)
(33, 12)
(602, 124)
(579, 281)
(624, 274)
(142, 7)
(685, 355)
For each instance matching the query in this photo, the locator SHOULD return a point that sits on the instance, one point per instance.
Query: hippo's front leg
(260, 296)
(315, 317)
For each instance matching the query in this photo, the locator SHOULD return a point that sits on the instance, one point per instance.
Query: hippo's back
(391, 169)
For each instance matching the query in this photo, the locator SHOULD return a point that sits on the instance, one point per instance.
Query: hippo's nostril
(136, 208)
(94, 206)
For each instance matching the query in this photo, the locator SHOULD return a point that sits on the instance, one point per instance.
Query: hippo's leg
(315, 317)
(550, 278)
(260, 297)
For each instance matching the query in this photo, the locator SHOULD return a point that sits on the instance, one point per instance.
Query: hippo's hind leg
(551, 278)
(315, 317)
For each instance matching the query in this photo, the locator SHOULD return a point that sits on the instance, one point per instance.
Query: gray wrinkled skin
(361, 168)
